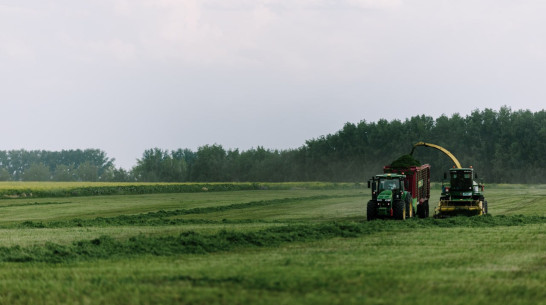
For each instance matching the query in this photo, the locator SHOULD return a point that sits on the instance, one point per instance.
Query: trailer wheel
(421, 210)
(371, 212)
(399, 210)
(426, 209)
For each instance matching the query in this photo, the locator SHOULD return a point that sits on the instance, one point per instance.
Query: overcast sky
(124, 76)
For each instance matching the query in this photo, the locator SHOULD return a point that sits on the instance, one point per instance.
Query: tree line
(65, 165)
(503, 146)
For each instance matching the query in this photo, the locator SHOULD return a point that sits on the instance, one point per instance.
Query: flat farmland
(269, 244)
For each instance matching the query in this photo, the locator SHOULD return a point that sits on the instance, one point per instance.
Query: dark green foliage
(195, 243)
(210, 164)
(65, 172)
(405, 161)
(159, 165)
(40, 165)
(37, 172)
(503, 146)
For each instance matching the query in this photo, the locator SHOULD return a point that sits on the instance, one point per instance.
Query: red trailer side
(417, 182)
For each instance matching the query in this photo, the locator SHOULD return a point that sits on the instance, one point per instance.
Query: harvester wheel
(371, 212)
(399, 211)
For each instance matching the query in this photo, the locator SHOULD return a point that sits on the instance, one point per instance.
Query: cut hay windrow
(191, 242)
(163, 217)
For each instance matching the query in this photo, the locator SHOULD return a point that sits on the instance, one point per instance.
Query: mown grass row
(168, 217)
(191, 242)
(67, 189)
(163, 217)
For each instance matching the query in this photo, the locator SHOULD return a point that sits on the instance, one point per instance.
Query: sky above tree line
(124, 76)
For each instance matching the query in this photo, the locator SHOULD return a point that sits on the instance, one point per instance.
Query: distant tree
(36, 172)
(258, 164)
(188, 157)
(4, 174)
(16, 162)
(87, 171)
(64, 173)
(121, 175)
(210, 164)
(158, 165)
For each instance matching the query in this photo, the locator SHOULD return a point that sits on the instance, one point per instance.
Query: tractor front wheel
(399, 210)
(371, 212)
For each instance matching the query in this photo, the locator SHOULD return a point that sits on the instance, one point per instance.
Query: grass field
(274, 244)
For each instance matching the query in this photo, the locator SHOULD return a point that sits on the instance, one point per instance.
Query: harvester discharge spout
(440, 148)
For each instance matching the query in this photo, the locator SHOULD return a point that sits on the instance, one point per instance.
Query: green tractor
(462, 195)
(389, 199)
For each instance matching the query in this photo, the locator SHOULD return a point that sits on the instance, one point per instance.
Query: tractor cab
(387, 185)
(388, 197)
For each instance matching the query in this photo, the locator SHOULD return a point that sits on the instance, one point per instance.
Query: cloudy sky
(124, 76)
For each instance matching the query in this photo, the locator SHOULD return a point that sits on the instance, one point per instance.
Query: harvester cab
(462, 185)
(462, 195)
(389, 198)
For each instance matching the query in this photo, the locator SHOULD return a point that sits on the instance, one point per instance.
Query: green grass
(17, 189)
(277, 245)
(50, 209)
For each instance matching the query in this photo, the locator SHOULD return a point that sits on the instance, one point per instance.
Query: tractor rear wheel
(409, 210)
(399, 210)
(485, 207)
(371, 212)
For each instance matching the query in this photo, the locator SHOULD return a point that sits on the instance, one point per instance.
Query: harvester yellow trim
(448, 207)
(440, 148)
